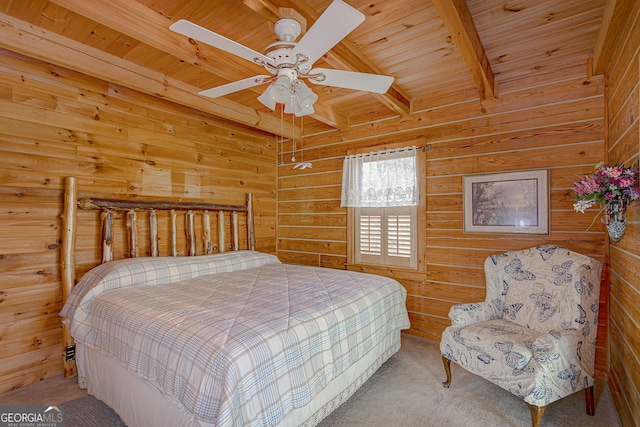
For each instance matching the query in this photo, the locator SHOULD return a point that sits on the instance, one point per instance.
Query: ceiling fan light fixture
(301, 100)
(278, 92)
(281, 89)
(305, 95)
(305, 111)
(292, 105)
(294, 94)
(267, 99)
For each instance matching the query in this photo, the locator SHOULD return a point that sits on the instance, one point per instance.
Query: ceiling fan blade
(338, 20)
(352, 80)
(197, 32)
(235, 86)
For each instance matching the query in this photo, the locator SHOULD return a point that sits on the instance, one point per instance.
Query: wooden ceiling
(429, 47)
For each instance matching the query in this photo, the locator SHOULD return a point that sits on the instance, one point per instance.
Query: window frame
(354, 258)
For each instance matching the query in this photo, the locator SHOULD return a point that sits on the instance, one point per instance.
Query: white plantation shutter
(386, 236)
(370, 235)
(399, 232)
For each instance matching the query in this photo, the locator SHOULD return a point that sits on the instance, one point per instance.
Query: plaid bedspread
(245, 347)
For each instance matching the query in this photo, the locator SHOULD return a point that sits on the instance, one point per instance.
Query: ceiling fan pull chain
(281, 143)
(302, 164)
(293, 138)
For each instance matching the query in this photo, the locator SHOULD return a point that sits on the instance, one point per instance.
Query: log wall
(551, 120)
(117, 142)
(623, 101)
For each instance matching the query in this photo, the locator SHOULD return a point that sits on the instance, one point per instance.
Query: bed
(222, 339)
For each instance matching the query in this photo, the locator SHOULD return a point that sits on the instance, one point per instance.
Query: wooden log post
(174, 234)
(221, 242)
(251, 236)
(107, 236)
(234, 227)
(68, 270)
(153, 233)
(132, 226)
(191, 233)
(206, 233)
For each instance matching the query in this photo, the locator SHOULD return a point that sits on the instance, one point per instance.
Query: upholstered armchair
(535, 334)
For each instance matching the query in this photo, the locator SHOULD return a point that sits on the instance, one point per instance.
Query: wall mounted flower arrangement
(613, 188)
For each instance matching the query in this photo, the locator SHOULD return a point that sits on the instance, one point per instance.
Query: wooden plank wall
(55, 123)
(553, 119)
(623, 101)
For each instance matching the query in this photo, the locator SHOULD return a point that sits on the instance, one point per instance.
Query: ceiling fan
(289, 62)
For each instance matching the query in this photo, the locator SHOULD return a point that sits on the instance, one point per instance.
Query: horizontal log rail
(147, 205)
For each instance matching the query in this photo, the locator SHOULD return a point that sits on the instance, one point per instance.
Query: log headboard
(109, 207)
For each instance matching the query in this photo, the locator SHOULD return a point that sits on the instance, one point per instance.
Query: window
(381, 190)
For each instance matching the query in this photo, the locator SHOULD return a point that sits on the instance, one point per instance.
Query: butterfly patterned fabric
(535, 333)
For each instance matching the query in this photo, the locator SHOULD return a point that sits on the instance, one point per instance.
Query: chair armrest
(467, 314)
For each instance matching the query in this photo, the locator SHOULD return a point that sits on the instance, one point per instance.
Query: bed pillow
(150, 271)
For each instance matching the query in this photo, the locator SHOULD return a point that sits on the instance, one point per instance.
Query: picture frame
(507, 203)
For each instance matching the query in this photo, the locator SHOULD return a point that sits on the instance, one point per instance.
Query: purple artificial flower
(605, 185)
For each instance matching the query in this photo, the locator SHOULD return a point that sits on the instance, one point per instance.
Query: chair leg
(536, 414)
(447, 369)
(590, 402)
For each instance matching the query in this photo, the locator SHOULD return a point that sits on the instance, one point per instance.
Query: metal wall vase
(616, 219)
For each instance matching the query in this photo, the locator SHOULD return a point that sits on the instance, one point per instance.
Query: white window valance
(380, 179)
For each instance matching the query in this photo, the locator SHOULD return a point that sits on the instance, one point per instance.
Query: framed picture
(510, 203)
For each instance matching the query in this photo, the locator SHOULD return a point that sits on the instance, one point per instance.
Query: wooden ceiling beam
(457, 18)
(617, 20)
(141, 23)
(22, 37)
(331, 116)
(345, 54)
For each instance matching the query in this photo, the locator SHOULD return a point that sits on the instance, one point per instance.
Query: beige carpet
(405, 391)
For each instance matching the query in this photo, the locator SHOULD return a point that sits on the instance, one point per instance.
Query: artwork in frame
(510, 202)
